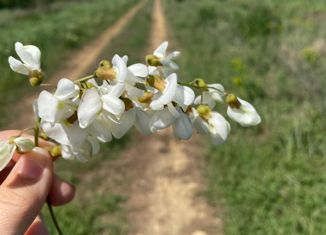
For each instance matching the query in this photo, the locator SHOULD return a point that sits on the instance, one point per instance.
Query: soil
(165, 195)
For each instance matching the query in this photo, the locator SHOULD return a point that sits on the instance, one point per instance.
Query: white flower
(30, 59)
(8, 148)
(243, 112)
(161, 119)
(212, 123)
(142, 121)
(184, 96)
(89, 148)
(182, 127)
(166, 60)
(60, 106)
(93, 104)
(65, 133)
(120, 127)
(136, 74)
(167, 94)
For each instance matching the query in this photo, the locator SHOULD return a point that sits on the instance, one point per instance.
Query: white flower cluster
(81, 113)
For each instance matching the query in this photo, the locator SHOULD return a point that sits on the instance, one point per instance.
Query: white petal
(133, 92)
(168, 93)
(17, 66)
(66, 89)
(125, 59)
(161, 50)
(101, 129)
(113, 104)
(142, 122)
(26, 56)
(139, 70)
(66, 134)
(161, 119)
(207, 99)
(184, 96)
(117, 89)
(246, 115)
(6, 153)
(182, 128)
(173, 55)
(132, 79)
(121, 68)
(35, 53)
(89, 107)
(217, 92)
(126, 121)
(152, 70)
(219, 128)
(94, 144)
(47, 106)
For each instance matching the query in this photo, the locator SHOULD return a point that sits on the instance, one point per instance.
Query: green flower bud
(204, 111)
(200, 83)
(56, 151)
(232, 101)
(153, 60)
(36, 78)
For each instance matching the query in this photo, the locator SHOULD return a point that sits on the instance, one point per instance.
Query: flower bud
(105, 64)
(23, 144)
(153, 60)
(36, 78)
(56, 151)
(204, 111)
(105, 73)
(233, 101)
(200, 83)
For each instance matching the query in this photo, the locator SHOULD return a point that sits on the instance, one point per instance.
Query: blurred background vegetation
(270, 179)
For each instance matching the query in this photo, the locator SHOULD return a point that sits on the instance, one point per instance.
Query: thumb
(24, 191)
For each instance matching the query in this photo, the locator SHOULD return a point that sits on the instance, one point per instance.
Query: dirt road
(167, 177)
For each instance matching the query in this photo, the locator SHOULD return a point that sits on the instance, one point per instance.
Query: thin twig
(54, 219)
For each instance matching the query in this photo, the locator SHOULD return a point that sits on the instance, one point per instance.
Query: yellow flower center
(146, 98)
(233, 101)
(204, 111)
(153, 60)
(157, 82)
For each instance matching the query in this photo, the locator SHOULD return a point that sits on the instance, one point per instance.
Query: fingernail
(29, 168)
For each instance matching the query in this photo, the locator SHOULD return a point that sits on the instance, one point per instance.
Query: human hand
(25, 185)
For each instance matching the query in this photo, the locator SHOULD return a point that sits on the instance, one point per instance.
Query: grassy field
(269, 179)
(62, 30)
(101, 183)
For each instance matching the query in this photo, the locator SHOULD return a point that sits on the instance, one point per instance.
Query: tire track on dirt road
(164, 195)
(77, 64)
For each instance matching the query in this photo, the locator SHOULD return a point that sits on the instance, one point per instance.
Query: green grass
(101, 183)
(57, 33)
(269, 179)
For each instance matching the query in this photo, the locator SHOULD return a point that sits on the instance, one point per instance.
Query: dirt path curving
(77, 64)
(165, 193)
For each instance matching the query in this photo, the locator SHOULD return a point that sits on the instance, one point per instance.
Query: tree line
(26, 3)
